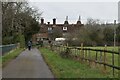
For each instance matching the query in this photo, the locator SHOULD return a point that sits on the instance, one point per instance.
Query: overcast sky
(105, 11)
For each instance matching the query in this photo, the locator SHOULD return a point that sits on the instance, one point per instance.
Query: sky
(106, 11)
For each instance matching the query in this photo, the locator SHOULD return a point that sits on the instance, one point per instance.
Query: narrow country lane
(29, 64)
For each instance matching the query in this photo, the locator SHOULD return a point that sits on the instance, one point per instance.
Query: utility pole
(114, 33)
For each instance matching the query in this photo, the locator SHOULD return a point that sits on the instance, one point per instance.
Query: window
(65, 28)
(49, 28)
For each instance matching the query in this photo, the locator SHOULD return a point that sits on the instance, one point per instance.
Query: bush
(22, 41)
(6, 40)
(66, 53)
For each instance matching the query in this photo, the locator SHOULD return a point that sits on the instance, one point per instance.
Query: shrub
(22, 41)
(66, 53)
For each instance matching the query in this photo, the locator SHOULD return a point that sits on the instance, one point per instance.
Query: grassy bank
(92, 54)
(11, 55)
(67, 68)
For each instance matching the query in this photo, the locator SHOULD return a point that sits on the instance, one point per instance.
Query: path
(29, 64)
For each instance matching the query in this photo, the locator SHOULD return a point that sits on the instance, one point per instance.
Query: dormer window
(65, 28)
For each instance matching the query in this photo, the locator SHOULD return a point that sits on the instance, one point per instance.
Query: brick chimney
(42, 21)
(54, 21)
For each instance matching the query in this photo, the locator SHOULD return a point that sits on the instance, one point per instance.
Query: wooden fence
(94, 56)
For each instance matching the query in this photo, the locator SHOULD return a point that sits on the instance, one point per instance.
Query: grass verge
(92, 55)
(67, 68)
(10, 56)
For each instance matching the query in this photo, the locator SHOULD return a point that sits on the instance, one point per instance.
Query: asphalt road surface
(29, 64)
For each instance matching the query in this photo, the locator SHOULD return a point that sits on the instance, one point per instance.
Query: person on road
(29, 45)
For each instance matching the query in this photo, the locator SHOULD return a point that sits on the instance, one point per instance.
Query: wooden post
(100, 56)
(89, 57)
(82, 51)
(78, 55)
(105, 58)
(86, 55)
(75, 52)
(96, 57)
(113, 63)
(119, 62)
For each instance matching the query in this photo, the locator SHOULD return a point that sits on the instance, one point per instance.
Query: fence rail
(7, 48)
(108, 51)
(103, 57)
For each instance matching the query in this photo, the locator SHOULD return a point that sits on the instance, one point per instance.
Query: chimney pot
(48, 22)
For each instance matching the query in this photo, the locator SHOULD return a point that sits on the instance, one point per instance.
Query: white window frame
(65, 28)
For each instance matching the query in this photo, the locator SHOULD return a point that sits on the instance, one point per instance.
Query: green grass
(11, 55)
(93, 56)
(67, 68)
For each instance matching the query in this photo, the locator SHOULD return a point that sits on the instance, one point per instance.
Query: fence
(104, 57)
(7, 48)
